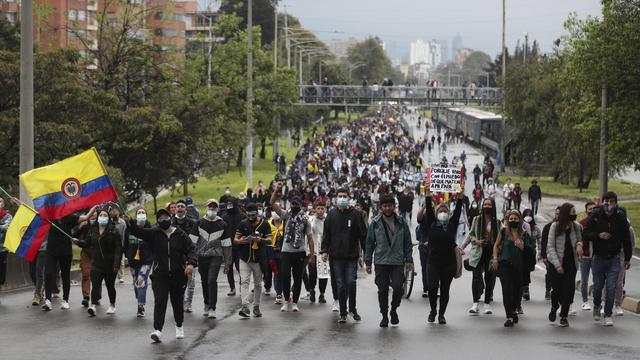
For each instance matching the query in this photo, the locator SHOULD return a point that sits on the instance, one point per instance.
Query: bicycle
(409, 275)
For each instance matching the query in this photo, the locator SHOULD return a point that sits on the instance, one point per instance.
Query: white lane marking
(635, 257)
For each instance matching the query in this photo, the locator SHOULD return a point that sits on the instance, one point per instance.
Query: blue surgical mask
(343, 202)
(103, 220)
(211, 214)
(260, 213)
(141, 218)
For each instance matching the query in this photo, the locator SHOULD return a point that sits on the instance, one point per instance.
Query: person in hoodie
(213, 247)
(186, 224)
(174, 259)
(140, 259)
(233, 217)
(105, 243)
(344, 232)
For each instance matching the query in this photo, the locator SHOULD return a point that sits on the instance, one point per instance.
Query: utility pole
(275, 41)
(26, 91)
(209, 55)
(250, 94)
(604, 166)
(526, 47)
(287, 43)
(504, 81)
(276, 140)
(300, 66)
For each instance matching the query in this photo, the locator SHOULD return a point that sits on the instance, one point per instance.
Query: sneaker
(256, 312)
(278, 300)
(64, 305)
(553, 314)
(547, 295)
(294, 307)
(519, 310)
(121, 280)
(312, 296)
(211, 314)
(525, 294)
(307, 296)
(608, 321)
(385, 321)
(285, 307)
(474, 309)
(586, 306)
(487, 309)
(321, 299)
(335, 307)
(232, 292)
(179, 332)
(244, 313)
(394, 317)
(432, 317)
(85, 302)
(205, 312)
(355, 315)
(597, 315)
(508, 323)
(425, 294)
(92, 310)
(267, 292)
(617, 311)
(140, 312)
(156, 335)
(111, 309)
(188, 309)
(442, 320)
(342, 319)
(572, 312)
(515, 318)
(564, 322)
(36, 300)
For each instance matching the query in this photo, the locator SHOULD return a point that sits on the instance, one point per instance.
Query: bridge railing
(363, 95)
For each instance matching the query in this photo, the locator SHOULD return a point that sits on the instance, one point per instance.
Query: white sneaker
(47, 305)
(572, 311)
(180, 332)
(335, 307)
(285, 307)
(487, 309)
(267, 292)
(617, 311)
(156, 335)
(92, 310)
(307, 296)
(474, 309)
(65, 305)
(121, 280)
(111, 310)
(206, 311)
(608, 321)
(211, 314)
(586, 307)
(294, 307)
(278, 300)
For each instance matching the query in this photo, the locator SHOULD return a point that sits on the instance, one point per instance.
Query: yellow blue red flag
(26, 233)
(69, 185)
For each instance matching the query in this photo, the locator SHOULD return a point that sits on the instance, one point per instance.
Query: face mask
(275, 216)
(573, 217)
(180, 216)
(211, 214)
(343, 202)
(92, 221)
(487, 210)
(528, 219)
(260, 213)
(164, 224)
(141, 218)
(103, 220)
(611, 208)
(514, 224)
(295, 209)
(443, 217)
(227, 192)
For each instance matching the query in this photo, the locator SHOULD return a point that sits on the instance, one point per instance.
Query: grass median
(553, 188)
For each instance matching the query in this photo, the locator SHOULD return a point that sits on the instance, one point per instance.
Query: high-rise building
(429, 53)
(445, 50)
(456, 44)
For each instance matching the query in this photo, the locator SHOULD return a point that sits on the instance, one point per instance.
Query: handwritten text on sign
(444, 179)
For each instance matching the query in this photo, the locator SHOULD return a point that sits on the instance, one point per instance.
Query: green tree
(377, 63)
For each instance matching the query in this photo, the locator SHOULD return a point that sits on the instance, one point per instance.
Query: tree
(263, 15)
(9, 36)
(377, 63)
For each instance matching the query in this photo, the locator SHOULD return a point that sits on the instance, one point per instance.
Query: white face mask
(443, 216)
(528, 219)
(275, 216)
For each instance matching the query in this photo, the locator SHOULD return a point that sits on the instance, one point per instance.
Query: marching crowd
(344, 202)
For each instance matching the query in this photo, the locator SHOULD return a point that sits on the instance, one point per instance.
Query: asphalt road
(28, 333)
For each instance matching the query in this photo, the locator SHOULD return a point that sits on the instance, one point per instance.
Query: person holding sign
(441, 227)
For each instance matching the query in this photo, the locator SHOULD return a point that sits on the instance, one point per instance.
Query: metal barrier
(346, 95)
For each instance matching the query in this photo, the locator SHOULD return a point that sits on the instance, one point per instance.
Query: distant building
(461, 56)
(445, 50)
(339, 47)
(428, 53)
(456, 44)
(421, 72)
(10, 10)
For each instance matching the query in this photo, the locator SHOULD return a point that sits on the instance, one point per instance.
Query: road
(27, 333)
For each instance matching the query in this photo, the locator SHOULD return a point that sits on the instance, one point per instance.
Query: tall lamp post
(249, 128)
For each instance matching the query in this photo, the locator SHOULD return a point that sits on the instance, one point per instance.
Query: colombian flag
(26, 233)
(70, 185)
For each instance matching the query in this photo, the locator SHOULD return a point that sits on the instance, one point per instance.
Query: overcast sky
(479, 22)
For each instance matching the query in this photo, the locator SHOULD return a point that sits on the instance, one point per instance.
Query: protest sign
(444, 179)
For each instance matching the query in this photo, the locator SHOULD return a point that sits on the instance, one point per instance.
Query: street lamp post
(249, 124)
(504, 81)
(26, 91)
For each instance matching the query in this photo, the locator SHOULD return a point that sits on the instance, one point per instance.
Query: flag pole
(30, 208)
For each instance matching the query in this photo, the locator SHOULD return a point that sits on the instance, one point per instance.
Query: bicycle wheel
(409, 277)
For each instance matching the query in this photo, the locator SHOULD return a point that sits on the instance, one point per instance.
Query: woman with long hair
(565, 242)
(536, 237)
(508, 259)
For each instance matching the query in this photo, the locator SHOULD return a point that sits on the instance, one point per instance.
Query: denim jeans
(143, 274)
(605, 270)
(346, 271)
(585, 269)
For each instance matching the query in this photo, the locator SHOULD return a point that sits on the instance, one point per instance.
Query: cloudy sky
(479, 22)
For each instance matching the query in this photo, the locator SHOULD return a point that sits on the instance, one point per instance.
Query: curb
(628, 303)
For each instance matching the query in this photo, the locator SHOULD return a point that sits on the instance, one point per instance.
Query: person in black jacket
(441, 228)
(608, 232)
(535, 196)
(342, 237)
(105, 244)
(233, 217)
(174, 259)
(185, 223)
(140, 259)
(543, 256)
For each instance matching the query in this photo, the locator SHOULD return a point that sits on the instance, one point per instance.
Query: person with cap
(253, 235)
(233, 217)
(297, 242)
(192, 210)
(174, 260)
(608, 233)
(389, 238)
(213, 247)
(186, 224)
(344, 232)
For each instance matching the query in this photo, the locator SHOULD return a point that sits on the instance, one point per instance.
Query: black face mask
(514, 224)
(573, 217)
(487, 211)
(295, 209)
(164, 224)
